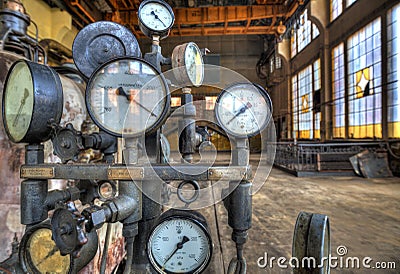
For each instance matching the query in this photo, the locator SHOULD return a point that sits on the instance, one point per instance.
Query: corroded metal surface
(11, 157)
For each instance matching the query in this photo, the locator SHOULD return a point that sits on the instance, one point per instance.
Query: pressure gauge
(243, 110)
(127, 97)
(187, 62)
(155, 18)
(39, 254)
(32, 98)
(180, 243)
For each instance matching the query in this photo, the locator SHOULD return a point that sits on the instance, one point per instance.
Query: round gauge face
(157, 16)
(18, 102)
(194, 64)
(243, 110)
(42, 254)
(127, 96)
(179, 245)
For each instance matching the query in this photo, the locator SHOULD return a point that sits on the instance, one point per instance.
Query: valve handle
(68, 227)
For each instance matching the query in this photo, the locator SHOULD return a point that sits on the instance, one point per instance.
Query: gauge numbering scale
(180, 243)
(243, 110)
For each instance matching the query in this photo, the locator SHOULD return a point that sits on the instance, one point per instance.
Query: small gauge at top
(155, 18)
(127, 97)
(187, 64)
(243, 110)
(32, 98)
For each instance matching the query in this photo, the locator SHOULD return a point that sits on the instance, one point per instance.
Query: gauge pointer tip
(179, 245)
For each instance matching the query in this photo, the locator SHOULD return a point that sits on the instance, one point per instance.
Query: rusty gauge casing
(188, 65)
(32, 98)
(128, 97)
(39, 253)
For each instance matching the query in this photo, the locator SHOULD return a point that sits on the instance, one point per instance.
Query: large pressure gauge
(155, 18)
(39, 253)
(180, 243)
(32, 98)
(127, 97)
(243, 110)
(187, 64)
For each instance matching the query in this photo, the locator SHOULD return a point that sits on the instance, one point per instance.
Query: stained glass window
(365, 82)
(306, 120)
(394, 72)
(303, 33)
(338, 86)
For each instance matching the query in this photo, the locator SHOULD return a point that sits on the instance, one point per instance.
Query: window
(210, 102)
(338, 86)
(302, 34)
(350, 2)
(365, 82)
(175, 101)
(317, 99)
(306, 117)
(394, 72)
(336, 9)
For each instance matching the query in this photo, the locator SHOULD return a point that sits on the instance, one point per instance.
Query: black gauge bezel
(48, 102)
(24, 258)
(148, 31)
(175, 214)
(267, 98)
(149, 130)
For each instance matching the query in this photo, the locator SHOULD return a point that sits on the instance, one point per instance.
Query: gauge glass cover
(194, 64)
(179, 245)
(243, 110)
(127, 96)
(43, 254)
(18, 101)
(156, 16)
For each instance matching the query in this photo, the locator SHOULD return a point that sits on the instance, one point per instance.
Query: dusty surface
(364, 217)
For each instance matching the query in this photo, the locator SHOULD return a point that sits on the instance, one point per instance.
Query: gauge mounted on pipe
(32, 99)
(38, 252)
(188, 65)
(155, 18)
(243, 110)
(128, 97)
(180, 243)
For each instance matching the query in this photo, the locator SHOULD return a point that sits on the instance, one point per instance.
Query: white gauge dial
(155, 17)
(243, 110)
(188, 65)
(179, 245)
(18, 101)
(127, 96)
(32, 99)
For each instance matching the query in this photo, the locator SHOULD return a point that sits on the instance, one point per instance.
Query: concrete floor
(364, 217)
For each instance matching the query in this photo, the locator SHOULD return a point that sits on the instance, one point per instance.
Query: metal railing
(304, 156)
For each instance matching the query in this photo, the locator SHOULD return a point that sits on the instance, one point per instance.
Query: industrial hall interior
(199, 136)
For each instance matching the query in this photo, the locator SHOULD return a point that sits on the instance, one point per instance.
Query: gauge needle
(121, 91)
(178, 246)
(23, 101)
(241, 110)
(51, 253)
(157, 18)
